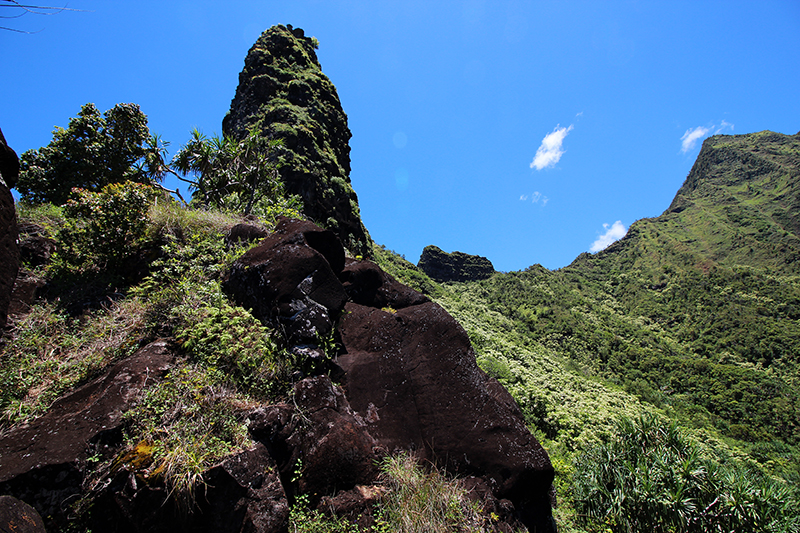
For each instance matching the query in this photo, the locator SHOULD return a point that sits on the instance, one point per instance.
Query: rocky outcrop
(9, 251)
(404, 379)
(43, 461)
(283, 92)
(457, 266)
(409, 379)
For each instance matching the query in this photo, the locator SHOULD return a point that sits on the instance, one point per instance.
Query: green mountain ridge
(693, 315)
(701, 298)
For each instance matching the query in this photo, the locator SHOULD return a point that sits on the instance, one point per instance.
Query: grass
(420, 500)
(50, 352)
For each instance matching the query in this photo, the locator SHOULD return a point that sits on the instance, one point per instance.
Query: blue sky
(526, 132)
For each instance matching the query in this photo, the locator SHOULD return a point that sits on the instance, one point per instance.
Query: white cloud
(692, 135)
(614, 232)
(535, 198)
(690, 138)
(724, 126)
(550, 151)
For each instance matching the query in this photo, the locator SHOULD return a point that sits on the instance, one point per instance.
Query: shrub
(420, 501)
(105, 230)
(652, 477)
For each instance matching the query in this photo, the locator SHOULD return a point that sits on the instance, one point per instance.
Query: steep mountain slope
(695, 311)
(283, 92)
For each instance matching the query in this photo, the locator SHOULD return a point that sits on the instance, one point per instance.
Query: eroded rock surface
(291, 278)
(43, 461)
(19, 517)
(457, 266)
(321, 445)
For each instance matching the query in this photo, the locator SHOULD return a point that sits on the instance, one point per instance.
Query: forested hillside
(693, 315)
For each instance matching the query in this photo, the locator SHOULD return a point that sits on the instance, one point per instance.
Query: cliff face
(456, 266)
(283, 92)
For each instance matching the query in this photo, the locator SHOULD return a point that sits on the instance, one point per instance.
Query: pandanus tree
(231, 174)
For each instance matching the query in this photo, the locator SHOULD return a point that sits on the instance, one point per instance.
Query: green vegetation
(92, 152)
(235, 175)
(104, 230)
(661, 374)
(651, 476)
(413, 500)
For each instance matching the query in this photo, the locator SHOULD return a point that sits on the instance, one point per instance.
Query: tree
(20, 10)
(92, 152)
(231, 174)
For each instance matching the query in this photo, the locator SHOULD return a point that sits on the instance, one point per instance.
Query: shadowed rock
(9, 251)
(321, 445)
(291, 278)
(456, 266)
(412, 376)
(43, 461)
(244, 233)
(19, 517)
(242, 493)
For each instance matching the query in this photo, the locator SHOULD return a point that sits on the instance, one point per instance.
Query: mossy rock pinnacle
(283, 92)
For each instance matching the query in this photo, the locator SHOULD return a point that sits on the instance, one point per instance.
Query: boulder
(19, 517)
(291, 278)
(44, 460)
(457, 266)
(321, 445)
(9, 251)
(244, 233)
(411, 375)
(242, 493)
(367, 284)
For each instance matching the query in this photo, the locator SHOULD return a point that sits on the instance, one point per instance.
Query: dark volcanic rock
(35, 247)
(244, 233)
(366, 284)
(456, 266)
(292, 277)
(243, 493)
(19, 517)
(321, 436)
(412, 376)
(9, 251)
(283, 92)
(9, 163)
(43, 460)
